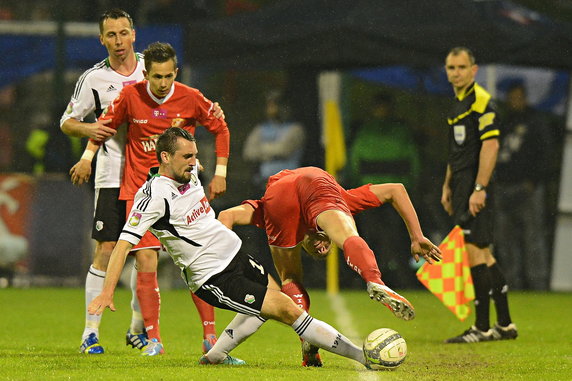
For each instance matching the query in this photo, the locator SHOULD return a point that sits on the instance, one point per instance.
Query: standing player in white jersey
(173, 205)
(94, 91)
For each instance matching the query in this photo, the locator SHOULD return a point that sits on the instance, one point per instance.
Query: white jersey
(183, 220)
(94, 91)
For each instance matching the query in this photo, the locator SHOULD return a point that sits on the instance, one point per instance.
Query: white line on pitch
(344, 322)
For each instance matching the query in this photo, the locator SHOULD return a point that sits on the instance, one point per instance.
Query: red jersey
(294, 199)
(148, 116)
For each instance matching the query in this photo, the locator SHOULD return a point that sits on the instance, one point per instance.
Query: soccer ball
(384, 348)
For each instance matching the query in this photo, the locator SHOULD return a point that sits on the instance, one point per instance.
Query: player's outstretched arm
(237, 215)
(116, 263)
(396, 194)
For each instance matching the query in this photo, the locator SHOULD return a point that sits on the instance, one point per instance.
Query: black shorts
(109, 216)
(240, 287)
(479, 230)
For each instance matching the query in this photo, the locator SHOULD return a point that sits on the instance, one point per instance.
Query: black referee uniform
(472, 120)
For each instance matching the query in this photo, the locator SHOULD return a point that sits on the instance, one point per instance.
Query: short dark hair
(115, 14)
(167, 141)
(459, 49)
(159, 52)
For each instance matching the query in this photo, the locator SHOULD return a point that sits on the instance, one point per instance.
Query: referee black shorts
(109, 216)
(240, 287)
(479, 230)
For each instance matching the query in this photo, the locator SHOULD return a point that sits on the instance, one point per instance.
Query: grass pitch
(41, 331)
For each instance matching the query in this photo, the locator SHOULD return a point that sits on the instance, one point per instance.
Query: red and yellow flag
(450, 279)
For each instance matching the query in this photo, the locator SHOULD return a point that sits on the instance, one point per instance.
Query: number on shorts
(257, 265)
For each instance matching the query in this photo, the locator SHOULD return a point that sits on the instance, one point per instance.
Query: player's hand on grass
(217, 111)
(425, 249)
(99, 131)
(80, 172)
(99, 304)
(217, 187)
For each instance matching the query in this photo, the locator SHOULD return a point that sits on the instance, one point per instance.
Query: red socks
(150, 302)
(361, 259)
(207, 315)
(298, 294)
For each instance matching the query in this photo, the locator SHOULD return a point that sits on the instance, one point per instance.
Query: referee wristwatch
(479, 187)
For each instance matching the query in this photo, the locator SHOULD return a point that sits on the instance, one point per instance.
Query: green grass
(41, 330)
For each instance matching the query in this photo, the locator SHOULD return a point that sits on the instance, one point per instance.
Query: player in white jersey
(94, 91)
(173, 205)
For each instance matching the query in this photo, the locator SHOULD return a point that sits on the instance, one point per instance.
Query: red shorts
(148, 241)
(292, 203)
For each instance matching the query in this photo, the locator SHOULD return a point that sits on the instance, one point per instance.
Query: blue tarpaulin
(25, 55)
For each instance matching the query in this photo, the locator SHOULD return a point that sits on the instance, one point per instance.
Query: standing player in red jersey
(148, 108)
(307, 207)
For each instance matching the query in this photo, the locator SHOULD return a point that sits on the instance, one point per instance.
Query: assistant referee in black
(473, 146)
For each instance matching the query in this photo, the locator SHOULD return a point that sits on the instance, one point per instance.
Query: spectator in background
(520, 220)
(383, 150)
(275, 144)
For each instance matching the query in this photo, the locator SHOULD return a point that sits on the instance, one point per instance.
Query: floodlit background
(238, 51)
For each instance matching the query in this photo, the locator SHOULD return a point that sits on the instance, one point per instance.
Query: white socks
(93, 287)
(137, 325)
(238, 330)
(312, 330)
(325, 336)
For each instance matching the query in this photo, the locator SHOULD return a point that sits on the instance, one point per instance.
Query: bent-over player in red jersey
(307, 207)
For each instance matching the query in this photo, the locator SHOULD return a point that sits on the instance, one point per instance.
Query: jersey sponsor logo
(150, 143)
(202, 210)
(159, 113)
(99, 225)
(460, 134)
(178, 122)
(249, 299)
(135, 219)
(140, 121)
(111, 88)
(129, 82)
(69, 109)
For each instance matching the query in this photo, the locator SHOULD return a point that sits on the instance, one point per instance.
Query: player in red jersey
(307, 207)
(148, 108)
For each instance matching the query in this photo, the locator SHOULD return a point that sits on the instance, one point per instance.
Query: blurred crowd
(386, 141)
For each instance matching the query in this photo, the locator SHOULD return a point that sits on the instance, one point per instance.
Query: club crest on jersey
(99, 225)
(159, 113)
(460, 134)
(178, 122)
(69, 109)
(135, 219)
(194, 179)
(249, 299)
